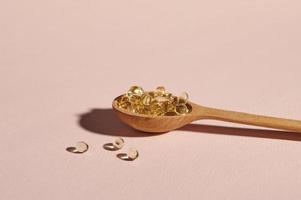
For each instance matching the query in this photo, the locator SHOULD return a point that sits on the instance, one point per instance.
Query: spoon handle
(251, 119)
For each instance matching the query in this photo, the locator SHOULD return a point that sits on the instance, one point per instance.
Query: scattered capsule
(81, 147)
(132, 153)
(119, 142)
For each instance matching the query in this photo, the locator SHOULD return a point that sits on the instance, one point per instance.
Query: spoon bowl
(160, 124)
(155, 124)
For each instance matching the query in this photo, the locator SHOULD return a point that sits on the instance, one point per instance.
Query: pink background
(60, 59)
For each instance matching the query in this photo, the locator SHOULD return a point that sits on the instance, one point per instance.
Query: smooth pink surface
(60, 59)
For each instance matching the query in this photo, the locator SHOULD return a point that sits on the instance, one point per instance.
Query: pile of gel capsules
(154, 103)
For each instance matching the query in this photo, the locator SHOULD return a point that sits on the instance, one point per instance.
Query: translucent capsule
(184, 95)
(135, 91)
(81, 147)
(146, 99)
(160, 91)
(119, 142)
(182, 109)
(183, 98)
(132, 153)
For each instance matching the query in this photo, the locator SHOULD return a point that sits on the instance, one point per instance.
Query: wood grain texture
(251, 119)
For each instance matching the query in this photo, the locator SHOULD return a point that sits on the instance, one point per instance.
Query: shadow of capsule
(72, 150)
(124, 156)
(110, 147)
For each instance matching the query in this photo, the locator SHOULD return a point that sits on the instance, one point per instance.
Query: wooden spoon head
(155, 124)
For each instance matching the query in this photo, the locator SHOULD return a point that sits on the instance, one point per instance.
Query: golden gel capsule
(135, 91)
(132, 153)
(160, 91)
(81, 147)
(146, 99)
(183, 98)
(181, 109)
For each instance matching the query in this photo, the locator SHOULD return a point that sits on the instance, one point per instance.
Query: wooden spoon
(159, 124)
